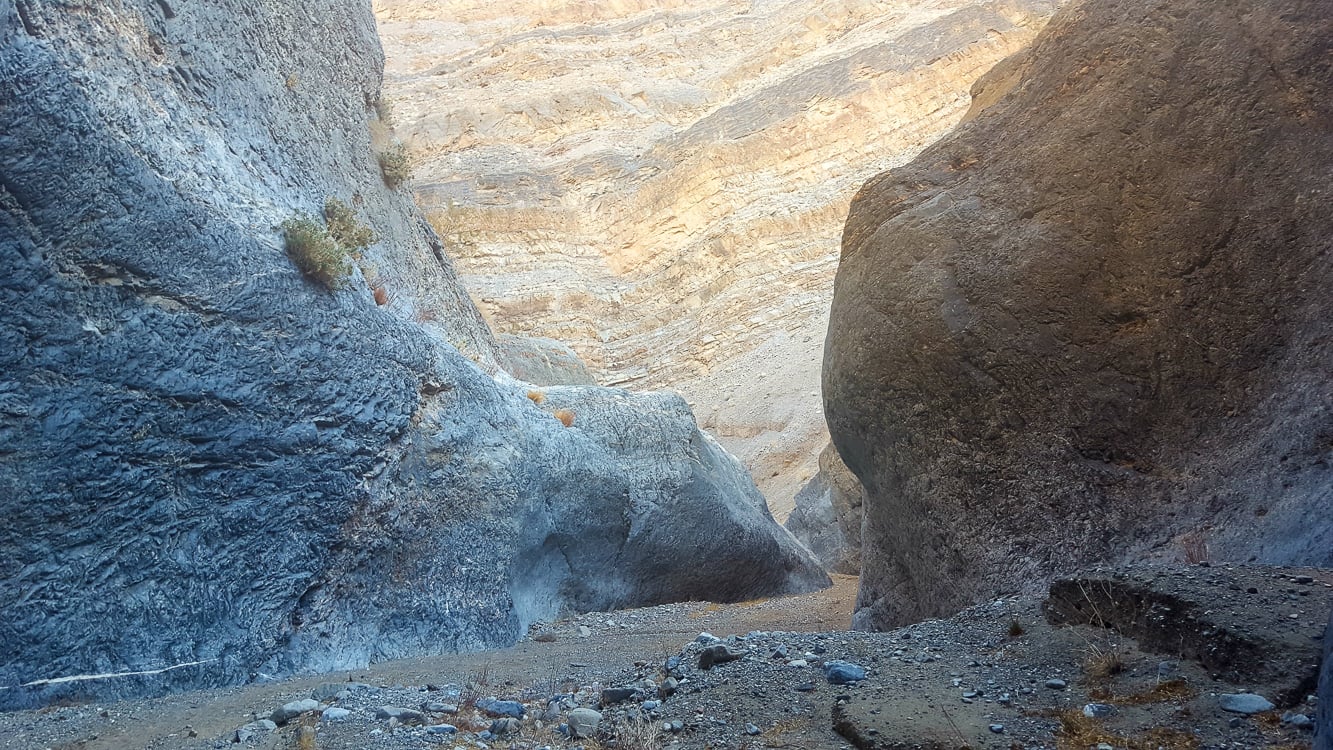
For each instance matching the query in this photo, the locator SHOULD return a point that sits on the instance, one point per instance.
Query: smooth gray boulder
(212, 468)
(583, 722)
(1091, 324)
(1244, 703)
(541, 361)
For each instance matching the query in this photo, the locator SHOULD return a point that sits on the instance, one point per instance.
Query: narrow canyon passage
(662, 187)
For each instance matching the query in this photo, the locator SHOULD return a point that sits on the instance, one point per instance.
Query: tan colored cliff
(662, 185)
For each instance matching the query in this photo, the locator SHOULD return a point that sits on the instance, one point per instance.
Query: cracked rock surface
(1090, 325)
(212, 469)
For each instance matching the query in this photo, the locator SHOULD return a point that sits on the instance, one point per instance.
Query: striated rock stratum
(212, 467)
(1092, 324)
(661, 185)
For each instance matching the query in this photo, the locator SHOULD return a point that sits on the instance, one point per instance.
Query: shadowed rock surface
(212, 467)
(1092, 323)
(827, 518)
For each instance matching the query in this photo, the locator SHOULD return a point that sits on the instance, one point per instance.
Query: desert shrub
(395, 164)
(565, 416)
(315, 252)
(537, 397)
(345, 230)
(380, 294)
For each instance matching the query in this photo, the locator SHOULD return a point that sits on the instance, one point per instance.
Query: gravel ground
(997, 675)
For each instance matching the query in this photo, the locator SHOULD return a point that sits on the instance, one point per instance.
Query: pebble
(843, 672)
(585, 631)
(583, 722)
(436, 707)
(668, 687)
(1056, 684)
(249, 731)
(328, 691)
(719, 654)
(442, 729)
(1244, 703)
(805, 687)
(616, 695)
(997, 728)
(651, 705)
(1300, 721)
(403, 715)
(496, 709)
(798, 663)
(293, 709)
(1098, 710)
(335, 714)
(751, 730)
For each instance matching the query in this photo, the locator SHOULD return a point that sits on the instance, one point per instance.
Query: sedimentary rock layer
(662, 185)
(1092, 323)
(211, 466)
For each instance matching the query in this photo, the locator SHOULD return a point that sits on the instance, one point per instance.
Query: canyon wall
(1092, 323)
(213, 467)
(662, 185)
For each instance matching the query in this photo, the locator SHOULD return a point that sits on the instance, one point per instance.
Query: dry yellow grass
(565, 416)
(1162, 692)
(1078, 732)
(1102, 662)
(537, 397)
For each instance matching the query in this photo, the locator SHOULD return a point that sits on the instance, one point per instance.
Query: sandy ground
(205, 719)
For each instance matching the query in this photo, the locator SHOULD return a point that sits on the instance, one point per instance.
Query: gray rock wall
(1091, 324)
(213, 467)
(827, 518)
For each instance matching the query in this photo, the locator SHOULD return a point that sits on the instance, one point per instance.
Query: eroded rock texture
(213, 466)
(662, 185)
(1092, 323)
(827, 518)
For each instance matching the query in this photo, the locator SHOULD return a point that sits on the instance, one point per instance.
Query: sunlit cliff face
(662, 185)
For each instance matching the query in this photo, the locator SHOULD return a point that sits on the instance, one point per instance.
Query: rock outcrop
(662, 185)
(212, 467)
(542, 361)
(827, 518)
(1091, 324)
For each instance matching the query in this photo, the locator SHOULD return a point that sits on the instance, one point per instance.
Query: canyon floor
(998, 675)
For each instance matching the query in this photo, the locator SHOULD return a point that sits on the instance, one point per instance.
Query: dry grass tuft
(381, 294)
(565, 416)
(637, 735)
(305, 734)
(1195, 547)
(1079, 732)
(1163, 692)
(537, 397)
(1101, 663)
(1016, 629)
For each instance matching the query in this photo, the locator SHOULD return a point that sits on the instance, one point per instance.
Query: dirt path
(207, 719)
